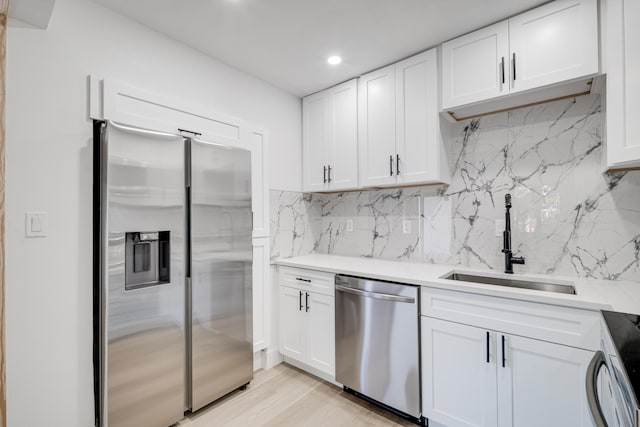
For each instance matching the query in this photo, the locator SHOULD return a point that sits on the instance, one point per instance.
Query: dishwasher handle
(376, 295)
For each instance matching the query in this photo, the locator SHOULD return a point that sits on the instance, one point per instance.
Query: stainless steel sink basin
(513, 283)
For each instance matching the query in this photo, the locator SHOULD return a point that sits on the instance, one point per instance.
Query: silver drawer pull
(387, 297)
(303, 280)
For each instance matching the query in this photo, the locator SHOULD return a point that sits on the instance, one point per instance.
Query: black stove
(625, 332)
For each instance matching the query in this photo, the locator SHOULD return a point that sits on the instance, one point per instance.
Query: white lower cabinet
(542, 384)
(459, 386)
(477, 377)
(307, 319)
(292, 323)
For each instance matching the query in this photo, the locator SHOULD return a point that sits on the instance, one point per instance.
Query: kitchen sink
(561, 288)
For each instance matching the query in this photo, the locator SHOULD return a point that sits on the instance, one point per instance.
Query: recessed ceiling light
(334, 60)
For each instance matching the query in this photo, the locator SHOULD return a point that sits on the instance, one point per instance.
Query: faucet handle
(517, 260)
(507, 200)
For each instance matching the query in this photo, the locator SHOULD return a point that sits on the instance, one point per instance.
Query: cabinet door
(343, 136)
(292, 321)
(554, 43)
(315, 125)
(321, 332)
(261, 291)
(623, 87)
(458, 383)
(472, 66)
(542, 384)
(631, 144)
(376, 121)
(417, 121)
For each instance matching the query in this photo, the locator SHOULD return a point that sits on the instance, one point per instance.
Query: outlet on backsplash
(499, 227)
(406, 226)
(349, 225)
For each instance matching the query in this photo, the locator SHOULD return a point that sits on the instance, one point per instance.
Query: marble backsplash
(567, 218)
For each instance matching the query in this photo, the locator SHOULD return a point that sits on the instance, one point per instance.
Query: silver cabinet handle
(502, 67)
(397, 164)
(329, 168)
(592, 392)
(390, 165)
(325, 174)
(504, 358)
(376, 295)
(514, 66)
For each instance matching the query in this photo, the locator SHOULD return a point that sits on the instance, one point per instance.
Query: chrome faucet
(509, 259)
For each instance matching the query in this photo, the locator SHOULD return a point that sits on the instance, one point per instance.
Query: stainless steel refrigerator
(173, 274)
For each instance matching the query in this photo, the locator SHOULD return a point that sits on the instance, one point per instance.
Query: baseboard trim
(272, 358)
(313, 371)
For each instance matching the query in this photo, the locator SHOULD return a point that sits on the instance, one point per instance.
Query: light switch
(36, 224)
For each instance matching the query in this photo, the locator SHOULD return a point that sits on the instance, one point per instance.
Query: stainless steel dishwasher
(377, 342)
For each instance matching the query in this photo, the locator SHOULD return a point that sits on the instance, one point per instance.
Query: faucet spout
(509, 259)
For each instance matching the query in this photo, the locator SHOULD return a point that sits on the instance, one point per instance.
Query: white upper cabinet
(377, 123)
(623, 86)
(475, 67)
(419, 146)
(400, 139)
(330, 139)
(315, 125)
(552, 44)
(343, 136)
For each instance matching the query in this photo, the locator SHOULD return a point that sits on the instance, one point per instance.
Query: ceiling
(287, 42)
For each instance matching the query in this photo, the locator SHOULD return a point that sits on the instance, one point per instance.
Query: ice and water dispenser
(147, 259)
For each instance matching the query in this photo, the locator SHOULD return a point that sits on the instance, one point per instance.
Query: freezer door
(221, 263)
(142, 293)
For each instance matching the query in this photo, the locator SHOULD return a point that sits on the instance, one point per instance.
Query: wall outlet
(500, 224)
(36, 224)
(349, 225)
(406, 226)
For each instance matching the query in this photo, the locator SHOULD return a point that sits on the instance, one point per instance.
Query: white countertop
(591, 294)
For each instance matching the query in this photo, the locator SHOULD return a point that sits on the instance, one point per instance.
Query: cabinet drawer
(316, 281)
(562, 325)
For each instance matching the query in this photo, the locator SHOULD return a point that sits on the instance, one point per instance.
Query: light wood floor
(285, 396)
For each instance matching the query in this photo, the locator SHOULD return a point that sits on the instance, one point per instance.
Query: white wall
(49, 155)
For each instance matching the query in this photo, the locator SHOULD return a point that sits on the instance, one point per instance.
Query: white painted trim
(313, 371)
(125, 103)
(95, 97)
(272, 358)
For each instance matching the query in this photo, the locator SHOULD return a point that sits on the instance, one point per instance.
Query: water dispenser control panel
(147, 259)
